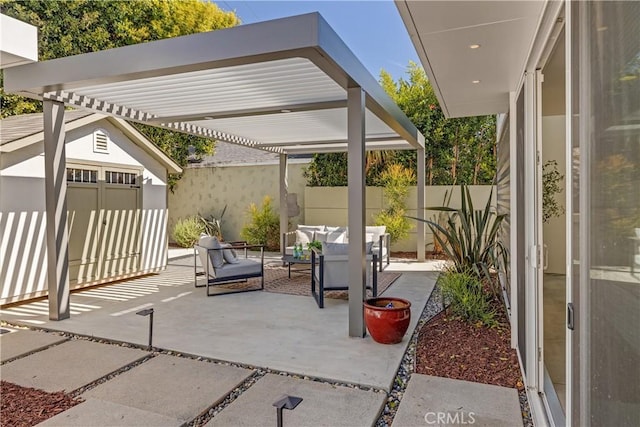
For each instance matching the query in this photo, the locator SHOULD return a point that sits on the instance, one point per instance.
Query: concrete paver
(99, 413)
(68, 366)
(323, 405)
(175, 387)
(436, 401)
(21, 342)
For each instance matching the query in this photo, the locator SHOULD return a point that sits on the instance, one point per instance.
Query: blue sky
(372, 29)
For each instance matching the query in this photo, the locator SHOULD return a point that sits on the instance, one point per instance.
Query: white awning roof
(18, 42)
(474, 52)
(279, 86)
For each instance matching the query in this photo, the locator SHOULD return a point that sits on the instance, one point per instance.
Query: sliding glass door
(605, 180)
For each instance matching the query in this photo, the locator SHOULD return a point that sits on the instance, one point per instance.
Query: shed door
(83, 208)
(120, 222)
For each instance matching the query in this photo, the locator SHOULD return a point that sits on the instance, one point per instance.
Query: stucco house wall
(207, 190)
(328, 205)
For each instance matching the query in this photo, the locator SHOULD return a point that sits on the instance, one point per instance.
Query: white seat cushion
(329, 248)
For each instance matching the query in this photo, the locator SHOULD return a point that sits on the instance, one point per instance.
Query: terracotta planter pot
(387, 325)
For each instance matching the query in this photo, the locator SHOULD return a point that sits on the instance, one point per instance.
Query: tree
(80, 26)
(457, 151)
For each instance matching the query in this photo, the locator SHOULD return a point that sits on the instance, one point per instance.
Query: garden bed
(452, 348)
(25, 406)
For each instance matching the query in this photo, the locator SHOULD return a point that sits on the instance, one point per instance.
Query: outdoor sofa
(303, 234)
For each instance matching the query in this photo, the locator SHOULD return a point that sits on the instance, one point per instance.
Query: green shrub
(396, 179)
(470, 237)
(187, 231)
(398, 226)
(264, 228)
(467, 298)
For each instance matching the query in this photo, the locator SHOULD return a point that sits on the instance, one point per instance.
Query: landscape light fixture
(285, 402)
(148, 312)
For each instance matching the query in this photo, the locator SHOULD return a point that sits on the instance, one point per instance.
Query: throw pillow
(338, 236)
(304, 236)
(229, 254)
(216, 256)
(321, 236)
(377, 231)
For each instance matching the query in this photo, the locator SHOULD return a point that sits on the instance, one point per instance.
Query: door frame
(138, 171)
(532, 230)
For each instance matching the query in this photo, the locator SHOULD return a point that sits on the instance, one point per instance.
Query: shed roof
(26, 129)
(227, 154)
(14, 128)
(279, 86)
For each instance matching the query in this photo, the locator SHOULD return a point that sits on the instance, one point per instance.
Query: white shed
(116, 203)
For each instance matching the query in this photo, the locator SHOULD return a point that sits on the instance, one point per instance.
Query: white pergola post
(56, 210)
(420, 211)
(356, 208)
(284, 211)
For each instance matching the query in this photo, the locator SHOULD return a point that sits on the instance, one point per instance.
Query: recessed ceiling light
(475, 82)
(285, 111)
(474, 46)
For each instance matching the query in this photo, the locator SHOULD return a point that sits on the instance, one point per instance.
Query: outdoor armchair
(330, 272)
(220, 265)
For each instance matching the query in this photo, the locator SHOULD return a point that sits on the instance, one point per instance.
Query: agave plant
(470, 237)
(213, 224)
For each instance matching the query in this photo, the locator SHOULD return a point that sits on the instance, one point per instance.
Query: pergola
(288, 86)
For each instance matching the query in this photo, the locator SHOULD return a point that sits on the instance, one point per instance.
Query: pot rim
(368, 304)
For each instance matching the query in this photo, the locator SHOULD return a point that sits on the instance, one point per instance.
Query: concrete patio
(254, 331)
(276, 331)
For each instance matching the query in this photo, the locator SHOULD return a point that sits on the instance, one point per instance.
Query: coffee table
(289, 259)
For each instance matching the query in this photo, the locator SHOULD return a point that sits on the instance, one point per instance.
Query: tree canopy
(81, 26)
(457, 151)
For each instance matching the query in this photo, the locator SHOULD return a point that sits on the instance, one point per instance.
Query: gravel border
(408, 363)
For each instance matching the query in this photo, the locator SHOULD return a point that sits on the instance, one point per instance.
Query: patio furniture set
(221, 265)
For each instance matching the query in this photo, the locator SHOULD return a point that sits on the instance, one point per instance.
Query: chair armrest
(247, 246)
